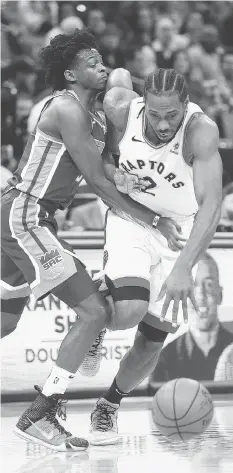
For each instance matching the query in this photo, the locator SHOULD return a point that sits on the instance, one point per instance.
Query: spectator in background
(227, 67)
(109, 47)
(226, 26)
(143, 26)
(205, 57)
(67, 26)
(96, 22)
(182, 65)
(66, 9)
(167, 42)
(194, 28)
(140, 61)
(195, 354)
(35, 15)
(17, 89)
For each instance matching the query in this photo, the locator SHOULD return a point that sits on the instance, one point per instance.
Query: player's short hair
(61, 52)
(166, 82)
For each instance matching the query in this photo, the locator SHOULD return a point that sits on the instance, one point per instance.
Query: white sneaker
(104, 430)
(91, 363)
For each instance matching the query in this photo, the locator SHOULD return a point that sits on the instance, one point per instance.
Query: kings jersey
(46, 170)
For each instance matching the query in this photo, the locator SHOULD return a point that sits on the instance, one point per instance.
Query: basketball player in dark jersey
(66, 144)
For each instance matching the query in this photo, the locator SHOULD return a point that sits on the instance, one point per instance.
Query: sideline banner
(28, 353)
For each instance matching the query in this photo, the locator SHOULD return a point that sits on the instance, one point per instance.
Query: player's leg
(14, 295)
(48, 266)
(80, 293)
(136, 365)
(127, 251)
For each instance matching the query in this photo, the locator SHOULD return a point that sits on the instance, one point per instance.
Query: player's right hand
(127, 183)
(172, 231)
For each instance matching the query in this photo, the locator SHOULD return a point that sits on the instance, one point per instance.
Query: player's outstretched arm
(202, 141)
(75, 129)
(207, 176)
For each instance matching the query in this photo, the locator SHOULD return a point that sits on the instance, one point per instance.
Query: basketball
(182, 409)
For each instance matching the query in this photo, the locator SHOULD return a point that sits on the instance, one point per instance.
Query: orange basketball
(182, 409)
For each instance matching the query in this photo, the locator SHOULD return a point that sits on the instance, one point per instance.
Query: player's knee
(92, 309)
(128, 314)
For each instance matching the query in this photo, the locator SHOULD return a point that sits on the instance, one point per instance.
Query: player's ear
(69, 75)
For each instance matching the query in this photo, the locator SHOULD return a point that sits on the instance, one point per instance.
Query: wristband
(155, 221)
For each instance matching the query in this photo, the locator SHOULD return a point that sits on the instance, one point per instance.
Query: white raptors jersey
(171, 192)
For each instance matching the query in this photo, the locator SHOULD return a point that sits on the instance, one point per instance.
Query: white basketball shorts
(136, 253)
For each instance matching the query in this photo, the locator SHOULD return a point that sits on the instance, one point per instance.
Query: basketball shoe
(39, 424)
(104, 430)
(91, 363)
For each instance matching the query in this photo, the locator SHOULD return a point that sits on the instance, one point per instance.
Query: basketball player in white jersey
(169, 142)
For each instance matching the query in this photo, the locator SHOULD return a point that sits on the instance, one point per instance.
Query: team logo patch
(175, 148)
(52, 263)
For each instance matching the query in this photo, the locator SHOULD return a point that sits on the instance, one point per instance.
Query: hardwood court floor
(141, 449)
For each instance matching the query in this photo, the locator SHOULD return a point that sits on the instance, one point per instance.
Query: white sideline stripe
(52, 171)
(33, 261)
(28, 162)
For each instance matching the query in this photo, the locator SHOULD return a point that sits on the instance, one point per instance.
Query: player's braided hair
(166, 82)
(60, 53)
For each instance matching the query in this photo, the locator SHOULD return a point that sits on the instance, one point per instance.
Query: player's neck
(87, 97)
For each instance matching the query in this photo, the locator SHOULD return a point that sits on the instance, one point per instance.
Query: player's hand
(127, 183)
(172, 231)
(178, 288)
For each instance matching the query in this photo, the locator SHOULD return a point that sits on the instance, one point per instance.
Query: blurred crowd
(193, 37)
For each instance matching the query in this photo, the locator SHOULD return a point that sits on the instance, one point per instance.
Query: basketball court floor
(142, 449)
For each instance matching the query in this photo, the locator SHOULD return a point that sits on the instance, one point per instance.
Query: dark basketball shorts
(33, 258)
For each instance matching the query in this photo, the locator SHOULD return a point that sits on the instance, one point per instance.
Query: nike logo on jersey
(135, 139)
(46, 435)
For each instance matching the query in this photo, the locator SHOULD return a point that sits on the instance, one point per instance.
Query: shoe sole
(57, 448)
(111, 441)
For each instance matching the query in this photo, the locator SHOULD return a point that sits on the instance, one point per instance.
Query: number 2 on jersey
(152, 185)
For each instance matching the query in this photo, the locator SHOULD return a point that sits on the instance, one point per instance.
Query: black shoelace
(60, 410)
(103, 420)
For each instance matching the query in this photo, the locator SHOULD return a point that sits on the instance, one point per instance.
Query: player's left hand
(127, 183)
(178, 287)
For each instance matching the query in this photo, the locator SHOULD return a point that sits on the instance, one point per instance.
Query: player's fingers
(178, 227)
(172, 245)
(175, 310)
(193, 300)
(177, 236)
(139, 186)
(185, 309)
(178, 244)
(166, 304)
(162, 292)
(131, 177)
